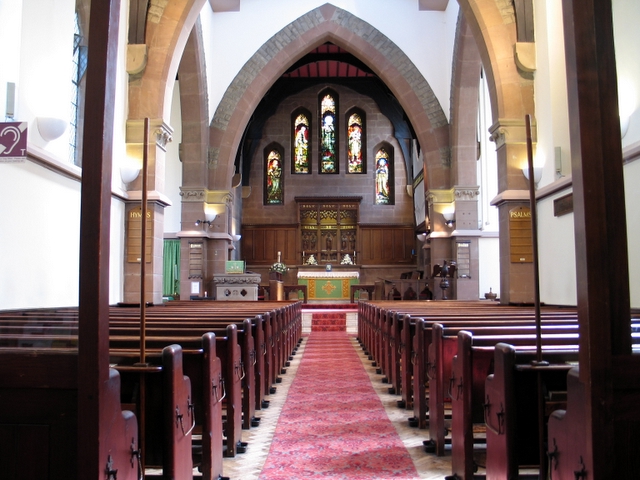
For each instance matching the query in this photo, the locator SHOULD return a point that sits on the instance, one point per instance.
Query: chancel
(265, 224)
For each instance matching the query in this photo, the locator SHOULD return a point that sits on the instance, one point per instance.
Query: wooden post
(95, 213)
(607, 370)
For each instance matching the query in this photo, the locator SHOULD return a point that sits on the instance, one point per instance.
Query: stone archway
(167, 28)
(492, 23)
(327, 23)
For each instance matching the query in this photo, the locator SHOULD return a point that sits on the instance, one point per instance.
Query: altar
(328, 285)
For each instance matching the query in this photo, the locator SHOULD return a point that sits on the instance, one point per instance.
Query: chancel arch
(326, 24)
(492, 27)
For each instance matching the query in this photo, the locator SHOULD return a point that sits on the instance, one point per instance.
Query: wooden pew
(198, 368)
(470, 368)
(124, 335)
(284, 332)
(275, 349)
(215, 323)
(446, 343)
(511, 411)
(567, 448)
(168, 409)
(423, 365)
(39, 417)
(122, 350)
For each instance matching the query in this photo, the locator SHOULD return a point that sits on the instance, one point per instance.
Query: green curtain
(171, 268)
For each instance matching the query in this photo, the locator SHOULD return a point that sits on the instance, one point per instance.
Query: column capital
(159, 132)
(199, 194)
(511, 131)
(463, 193)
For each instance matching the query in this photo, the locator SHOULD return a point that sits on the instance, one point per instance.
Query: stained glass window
(274, 192)
(301, 152)
(355, 144)
(328, 140)
(383, 178)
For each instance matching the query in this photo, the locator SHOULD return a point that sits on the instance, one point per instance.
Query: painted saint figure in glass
(328, 135)
(382, 178)
(275, 194)
(354, 153)
(301, 144)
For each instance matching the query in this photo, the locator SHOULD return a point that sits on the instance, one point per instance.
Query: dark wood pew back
(511, 410)
(39, 417)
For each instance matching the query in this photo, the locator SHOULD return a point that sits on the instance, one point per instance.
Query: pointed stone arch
(323, 24)
(492, 23)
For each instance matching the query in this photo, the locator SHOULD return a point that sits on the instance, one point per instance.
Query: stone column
(516, 277)
(205, 222)
(159, 135)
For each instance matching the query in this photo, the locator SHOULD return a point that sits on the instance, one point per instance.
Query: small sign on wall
(520, 235)
(13, 142)
(563, 205)
(134, 235)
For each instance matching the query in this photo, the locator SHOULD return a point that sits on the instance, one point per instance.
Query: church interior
(232, 190)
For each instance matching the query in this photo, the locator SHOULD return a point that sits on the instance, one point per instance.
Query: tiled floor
(247, 466)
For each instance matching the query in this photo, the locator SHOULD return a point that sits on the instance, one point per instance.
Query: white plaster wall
(44, 85)
(556, 249)
(556, 238)
(173, 169)
(626, 15)
(40, 207)
(426, 37)
(10, 34)
(489, 265)
(556, 244)
(632, 193)
(39, 237)
(551, 115)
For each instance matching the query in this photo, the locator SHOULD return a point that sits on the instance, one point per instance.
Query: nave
(251, 464)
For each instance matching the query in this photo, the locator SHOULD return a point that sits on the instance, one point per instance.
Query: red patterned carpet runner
(329, 322)
(333, 425)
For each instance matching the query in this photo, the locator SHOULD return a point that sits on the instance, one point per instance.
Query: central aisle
(333, 424)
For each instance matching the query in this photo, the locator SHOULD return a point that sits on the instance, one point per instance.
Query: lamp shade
(537, 173)
(129, 170)
(50, 128)
(212, 210)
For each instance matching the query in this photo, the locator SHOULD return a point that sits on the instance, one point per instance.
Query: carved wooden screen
(329, 230)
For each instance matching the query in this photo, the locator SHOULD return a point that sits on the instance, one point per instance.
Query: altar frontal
(328, 285)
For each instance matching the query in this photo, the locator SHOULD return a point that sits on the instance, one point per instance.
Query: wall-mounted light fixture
(205, 222)
(422, 237)
(211, 211)
(537, 174)
(50, 128)
(449, 218)
(129, 170)
(236, 237)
